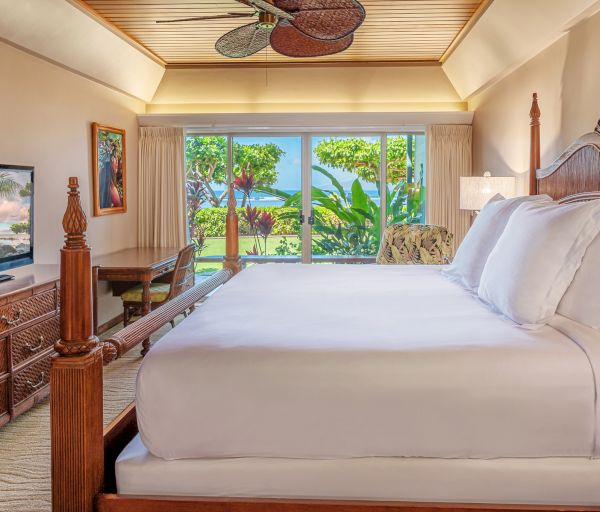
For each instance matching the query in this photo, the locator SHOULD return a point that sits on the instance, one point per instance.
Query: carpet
(25, 442)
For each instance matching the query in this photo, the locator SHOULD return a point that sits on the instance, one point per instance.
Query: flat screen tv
(16, 216)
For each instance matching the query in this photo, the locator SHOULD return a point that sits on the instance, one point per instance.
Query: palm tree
(8, 186)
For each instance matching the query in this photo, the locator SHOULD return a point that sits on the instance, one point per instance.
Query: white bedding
(551, 481)
(319, 362)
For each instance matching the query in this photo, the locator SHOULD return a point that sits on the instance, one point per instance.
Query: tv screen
(16, 216)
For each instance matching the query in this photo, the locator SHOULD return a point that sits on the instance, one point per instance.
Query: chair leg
(146, 346)
(125, 316)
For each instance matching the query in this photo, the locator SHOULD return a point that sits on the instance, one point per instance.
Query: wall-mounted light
(476, 191)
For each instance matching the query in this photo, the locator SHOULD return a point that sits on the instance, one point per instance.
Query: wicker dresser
(29, 326)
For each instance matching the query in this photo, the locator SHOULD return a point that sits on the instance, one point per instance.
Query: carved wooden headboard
(575, 172)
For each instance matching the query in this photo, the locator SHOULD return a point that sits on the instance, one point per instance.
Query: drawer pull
(14, 321)
(36, 348)
(39, 384)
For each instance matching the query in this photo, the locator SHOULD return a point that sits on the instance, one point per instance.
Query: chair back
(183, 273)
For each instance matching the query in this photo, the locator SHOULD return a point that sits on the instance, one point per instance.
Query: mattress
(550, 481)
(334, 362)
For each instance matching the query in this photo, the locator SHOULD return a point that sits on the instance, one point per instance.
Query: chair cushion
(416, 244)
(158, 293)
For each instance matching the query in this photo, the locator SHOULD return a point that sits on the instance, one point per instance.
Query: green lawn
(216, 247)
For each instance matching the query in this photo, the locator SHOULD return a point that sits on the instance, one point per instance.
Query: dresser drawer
(3, 356)
(34, 340)
(31, 379)
(4, 411)
(27, 309)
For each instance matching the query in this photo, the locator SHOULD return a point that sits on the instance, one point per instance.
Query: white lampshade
(476, 191)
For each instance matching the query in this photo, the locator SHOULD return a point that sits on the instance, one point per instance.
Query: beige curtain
(162, 201)
(449, 153)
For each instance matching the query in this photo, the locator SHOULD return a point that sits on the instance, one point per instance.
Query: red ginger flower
(245, 182)
(265, 223)
(250, 216)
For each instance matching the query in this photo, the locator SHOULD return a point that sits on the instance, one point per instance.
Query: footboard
(83, 455)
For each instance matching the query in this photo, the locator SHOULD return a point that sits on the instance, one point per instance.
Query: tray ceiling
(394, 31)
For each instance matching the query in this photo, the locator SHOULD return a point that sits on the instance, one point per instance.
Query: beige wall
(45, 114)
(567, 78)
(306, 89)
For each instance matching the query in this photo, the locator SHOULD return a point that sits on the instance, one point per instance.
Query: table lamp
(476, 191)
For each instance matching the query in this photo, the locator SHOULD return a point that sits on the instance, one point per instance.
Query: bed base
(83, 455)
(116, 503)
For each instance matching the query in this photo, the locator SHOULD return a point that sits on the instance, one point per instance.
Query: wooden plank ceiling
(394, 31)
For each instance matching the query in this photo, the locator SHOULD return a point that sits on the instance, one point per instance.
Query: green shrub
(212, 220)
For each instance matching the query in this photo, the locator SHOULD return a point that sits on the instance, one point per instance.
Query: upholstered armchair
(416, 244)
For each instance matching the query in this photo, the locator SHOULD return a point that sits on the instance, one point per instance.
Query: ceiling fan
(294, 28)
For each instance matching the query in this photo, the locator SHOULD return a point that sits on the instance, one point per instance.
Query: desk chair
(182, 279)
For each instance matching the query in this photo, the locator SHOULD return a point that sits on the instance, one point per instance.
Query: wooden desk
(126, 268)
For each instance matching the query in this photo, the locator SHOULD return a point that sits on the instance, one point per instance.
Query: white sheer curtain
(449, 156)
(162, 219)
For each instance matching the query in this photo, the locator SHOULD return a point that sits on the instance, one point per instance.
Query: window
(309, 197)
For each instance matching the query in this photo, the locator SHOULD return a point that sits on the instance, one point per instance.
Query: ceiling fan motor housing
(267, 20)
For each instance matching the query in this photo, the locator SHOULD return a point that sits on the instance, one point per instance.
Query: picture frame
(109, 170)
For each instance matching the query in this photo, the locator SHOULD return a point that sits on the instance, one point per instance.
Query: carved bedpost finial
(75, 281)
(74, 221)
(232, 247)
(535, 113)
(534, 150)
(231, 200)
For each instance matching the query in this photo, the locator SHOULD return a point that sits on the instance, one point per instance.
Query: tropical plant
(353, 224)
(195, 200)
(260, 223)
(362, 157)
(8, 186)
(206, 161)
(20, 227)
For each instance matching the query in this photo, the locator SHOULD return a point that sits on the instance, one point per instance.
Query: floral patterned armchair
(416, 244)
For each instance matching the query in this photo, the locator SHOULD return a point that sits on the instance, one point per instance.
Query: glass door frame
(306, 137)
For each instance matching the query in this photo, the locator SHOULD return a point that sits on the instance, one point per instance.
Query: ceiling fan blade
(267, 7)
(289, 41)
(229, 15)
(325, 19)
(243, 41)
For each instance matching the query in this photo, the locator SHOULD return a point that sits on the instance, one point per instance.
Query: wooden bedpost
(76, 375)
(534, 157)
(232, 247)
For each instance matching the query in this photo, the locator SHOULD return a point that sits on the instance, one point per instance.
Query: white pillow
(482, 237)
(536, 258)
(581, 301)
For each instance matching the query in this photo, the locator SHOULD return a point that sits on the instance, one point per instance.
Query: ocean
(263, 200)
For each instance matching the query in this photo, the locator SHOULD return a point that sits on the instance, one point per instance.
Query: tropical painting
(110, 194)
(15, 211)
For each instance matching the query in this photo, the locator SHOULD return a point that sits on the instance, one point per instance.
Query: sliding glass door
(345, 196)
(310, 197)
(267, 173)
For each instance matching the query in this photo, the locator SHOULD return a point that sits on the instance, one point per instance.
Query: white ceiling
(66, 35)
(508, 34)
(62, 31)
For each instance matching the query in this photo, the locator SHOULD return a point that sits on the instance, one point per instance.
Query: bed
(331, 408)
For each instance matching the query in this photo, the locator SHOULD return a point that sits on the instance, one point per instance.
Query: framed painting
(108, 169)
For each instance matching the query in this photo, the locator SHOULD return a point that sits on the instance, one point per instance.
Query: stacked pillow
(473, 252)
(536, 258)
(581, 302)
(524, 257)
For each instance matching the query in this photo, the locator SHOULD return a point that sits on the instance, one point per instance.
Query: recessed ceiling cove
(208, 32)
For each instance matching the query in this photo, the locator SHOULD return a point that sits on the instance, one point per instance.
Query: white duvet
(327, 361)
